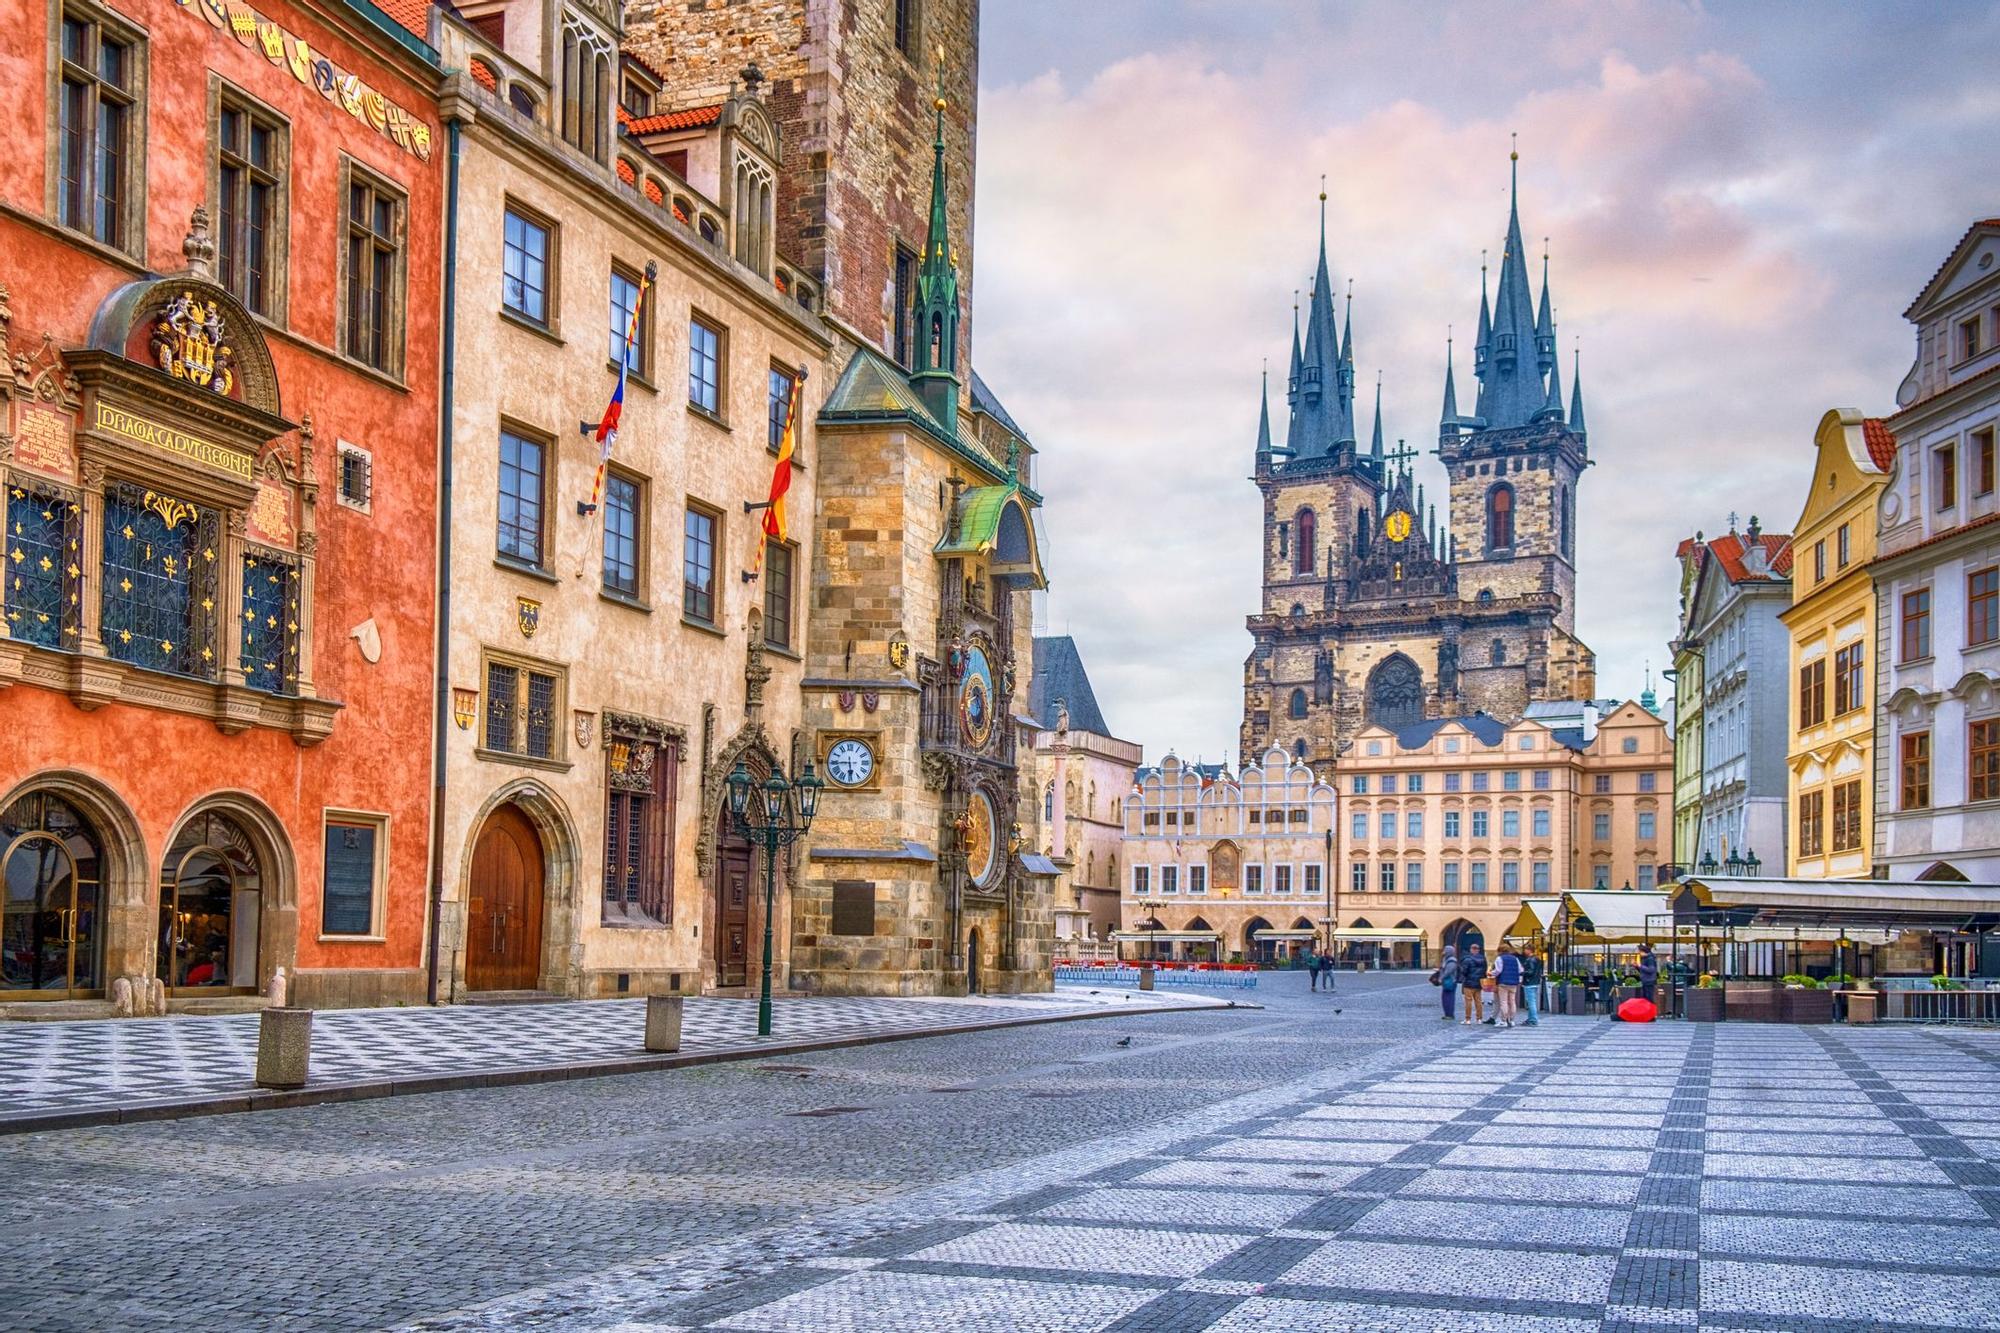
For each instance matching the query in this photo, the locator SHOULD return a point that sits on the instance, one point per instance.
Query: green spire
(934, 360)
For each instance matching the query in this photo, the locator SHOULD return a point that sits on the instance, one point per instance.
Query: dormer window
(636, 98)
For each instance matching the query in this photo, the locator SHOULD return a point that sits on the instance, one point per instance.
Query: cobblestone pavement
(79, 1066)
(1290, 1168)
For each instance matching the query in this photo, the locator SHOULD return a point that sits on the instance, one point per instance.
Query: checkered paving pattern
(1579, 1175)
(48, 1067)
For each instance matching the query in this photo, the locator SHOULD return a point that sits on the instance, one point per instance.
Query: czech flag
(775, 524)
(605, 429)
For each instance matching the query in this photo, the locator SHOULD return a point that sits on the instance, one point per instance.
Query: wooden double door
(503, 944)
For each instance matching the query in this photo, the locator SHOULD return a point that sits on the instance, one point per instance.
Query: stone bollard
(1145, 978)
(663, 1023)
(284, 1047)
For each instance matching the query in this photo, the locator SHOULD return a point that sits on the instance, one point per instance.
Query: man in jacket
(1649, 973)
(1532, 972)
(1471, 973)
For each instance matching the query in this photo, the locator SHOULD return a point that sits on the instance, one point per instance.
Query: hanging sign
(344, 90)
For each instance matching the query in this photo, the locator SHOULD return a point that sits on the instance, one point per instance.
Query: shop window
(44, 566)
(270, 654)
(100, 139)
(640, 771)
(251, 212)
(210, 886)
(160, 582)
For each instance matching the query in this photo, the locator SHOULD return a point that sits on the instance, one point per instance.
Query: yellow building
(1832, 625)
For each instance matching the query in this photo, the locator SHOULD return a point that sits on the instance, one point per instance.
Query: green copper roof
(871, 389)
(982, 527)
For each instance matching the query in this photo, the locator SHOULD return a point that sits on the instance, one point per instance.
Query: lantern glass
(739, 790)
(809, 786)
(776, 789)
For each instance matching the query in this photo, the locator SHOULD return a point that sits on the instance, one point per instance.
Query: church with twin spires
(1374, 610)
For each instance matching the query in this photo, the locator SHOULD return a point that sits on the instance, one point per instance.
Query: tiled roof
(1881, 442)
(1730, 548)
(1984, 520)
(654, 192)
(1059, 674)
(627, 172)
(640, 60)
(687, 118)
(482, 74)
(412, 14)
(984, 400)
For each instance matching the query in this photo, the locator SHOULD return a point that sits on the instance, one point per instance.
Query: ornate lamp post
(1707, 865)
(774, 815)
(1752, 867)
(1734, 864)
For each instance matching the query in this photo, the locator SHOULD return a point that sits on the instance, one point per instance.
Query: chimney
(1756, 560)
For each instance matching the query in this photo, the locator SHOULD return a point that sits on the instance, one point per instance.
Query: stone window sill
(552, 765)
(91, 682)
(530, 324)
(525, 569)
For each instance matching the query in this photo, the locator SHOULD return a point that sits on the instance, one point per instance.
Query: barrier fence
(1229, 978)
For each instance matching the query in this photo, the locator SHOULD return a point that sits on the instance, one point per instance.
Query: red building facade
(220, 261)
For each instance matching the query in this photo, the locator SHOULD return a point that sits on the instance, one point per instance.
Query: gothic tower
(1515, 462)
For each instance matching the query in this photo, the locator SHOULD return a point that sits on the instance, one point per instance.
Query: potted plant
(1803, 1000)
(1704, 1000)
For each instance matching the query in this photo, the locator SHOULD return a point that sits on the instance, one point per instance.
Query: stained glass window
(270, 657)
(43, 566)
(160, 581)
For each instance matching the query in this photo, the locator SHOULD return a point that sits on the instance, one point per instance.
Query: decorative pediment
(195, 334)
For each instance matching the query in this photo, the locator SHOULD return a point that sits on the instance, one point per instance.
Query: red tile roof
(687, 118)
(640, 60)
(654, 192)
(1729, 549)
(1881, 442)
(412, 14)
(1984, 520)
(627, 172)
(482, 74)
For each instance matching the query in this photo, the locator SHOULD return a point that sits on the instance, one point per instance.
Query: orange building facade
(219, 294)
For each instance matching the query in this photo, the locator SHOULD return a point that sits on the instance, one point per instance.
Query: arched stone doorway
(504, 909)
(1254, 949)
(558, 963)
(1462, 934)
(74, 916)
(736, 887)
(228, 904)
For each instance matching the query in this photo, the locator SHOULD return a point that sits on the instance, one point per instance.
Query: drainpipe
(442, 712)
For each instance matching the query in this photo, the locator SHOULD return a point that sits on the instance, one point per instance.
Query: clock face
(979, 825)
(1397, 526)
(850, 762)
(975, 699)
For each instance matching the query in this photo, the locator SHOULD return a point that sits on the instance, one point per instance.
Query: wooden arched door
(503, 942)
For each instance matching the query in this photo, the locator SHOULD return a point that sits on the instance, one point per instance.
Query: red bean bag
(1636, 1010)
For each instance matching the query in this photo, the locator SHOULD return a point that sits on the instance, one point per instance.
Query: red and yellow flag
(775, 524)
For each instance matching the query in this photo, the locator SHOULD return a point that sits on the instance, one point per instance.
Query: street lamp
(778, 816)
(1751, 865)
(1735, 862)
(1707, 863)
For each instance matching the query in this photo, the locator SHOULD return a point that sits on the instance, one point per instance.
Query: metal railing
(1940, 1006)
(1162, 976)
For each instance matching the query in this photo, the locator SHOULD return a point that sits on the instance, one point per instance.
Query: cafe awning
(1380, 935)
(1534, 919)
(1169, 936)
(1880, 904)
(1613, 916)
(1293, 934)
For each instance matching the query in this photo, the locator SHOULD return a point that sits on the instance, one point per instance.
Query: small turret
(1448, 419)
(1375, 446)
(1264, 423)
(1552, 403)
(934, 366)
(1545, 323)
(1576, 397)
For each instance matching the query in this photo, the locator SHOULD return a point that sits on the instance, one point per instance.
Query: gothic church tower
(1374, 612)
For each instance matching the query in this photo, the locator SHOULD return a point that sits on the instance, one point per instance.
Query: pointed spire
(1375, 447)
(1448, 419)
(1576, 395)
(1481, 347)
(1512, 391)
(1545, 322)
(1292, 385)
(1552, 402)
(1323, 419)
(1264, 417)
(934, 359)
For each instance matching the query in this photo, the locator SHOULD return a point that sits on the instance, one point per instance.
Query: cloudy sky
(1741, 199)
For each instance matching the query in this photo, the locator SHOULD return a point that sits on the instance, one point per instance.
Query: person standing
(1447, 980)
(1532, 972)
(1471, 980)
(1506, 984)
(1312, 966)
(1649, 973)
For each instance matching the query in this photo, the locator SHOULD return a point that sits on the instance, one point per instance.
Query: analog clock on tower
(850, 762)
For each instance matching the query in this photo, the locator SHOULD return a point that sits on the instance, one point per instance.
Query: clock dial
(850, 762)
(1397, 526)
(975, 699)
(979, 823)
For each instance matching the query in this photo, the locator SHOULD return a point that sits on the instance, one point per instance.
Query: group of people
(1319, 965)
(1513, 979)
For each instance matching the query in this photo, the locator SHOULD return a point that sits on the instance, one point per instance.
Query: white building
(1937, 581)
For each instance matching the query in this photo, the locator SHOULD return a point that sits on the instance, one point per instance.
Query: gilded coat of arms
(188, 343)
(528, 616)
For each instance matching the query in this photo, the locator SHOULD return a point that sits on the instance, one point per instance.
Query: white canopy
(1381, 935)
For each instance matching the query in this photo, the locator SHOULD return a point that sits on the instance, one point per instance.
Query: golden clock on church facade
(1397, 526)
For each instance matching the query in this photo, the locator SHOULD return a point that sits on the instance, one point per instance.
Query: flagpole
(605, 428)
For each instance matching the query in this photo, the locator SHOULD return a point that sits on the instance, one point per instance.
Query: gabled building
(1937, 581)
(1732, 655)
(1375, 612)
(1084, 774)
(1831, 622)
